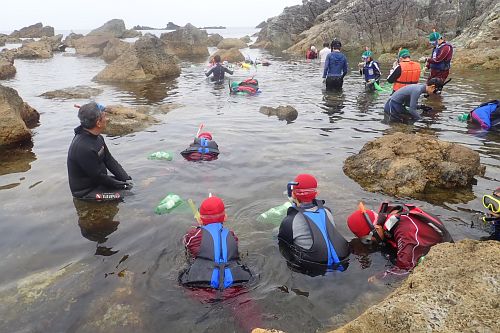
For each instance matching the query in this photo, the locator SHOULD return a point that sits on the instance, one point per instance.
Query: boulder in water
(231, 43)
(214, 39)
(34, 31)
(145, 61)
(131, 33)
(113, 28)
(69, 40)
(445, 293)
(171, 26)
(246, 39)
(124, 120)
(231, 55)
(17, 117)
(288, 113)
(115, 48)
(411, 165)
(7, 69)
(187, 42)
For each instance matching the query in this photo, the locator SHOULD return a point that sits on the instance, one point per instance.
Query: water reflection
(96, 222)
(152, 92)
(16, 159)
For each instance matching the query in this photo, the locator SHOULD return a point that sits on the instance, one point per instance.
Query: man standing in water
(218, 71)
(440, 61)
(335, 68)
(89, 159)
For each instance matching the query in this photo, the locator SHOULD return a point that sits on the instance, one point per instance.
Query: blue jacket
(335, 65)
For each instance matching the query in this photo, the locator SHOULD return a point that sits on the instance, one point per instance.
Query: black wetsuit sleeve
(88, 160)
(394, 75)
(227, 70)
(114, 167)
(210, 71)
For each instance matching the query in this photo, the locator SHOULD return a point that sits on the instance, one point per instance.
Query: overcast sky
(89, 14)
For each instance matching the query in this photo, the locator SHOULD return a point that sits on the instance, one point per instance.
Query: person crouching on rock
(218, 71)
(395, 109)
(213, 251)
(307, 236)
(202, 149)
(89, 159)
(404, 228)
(492, 203)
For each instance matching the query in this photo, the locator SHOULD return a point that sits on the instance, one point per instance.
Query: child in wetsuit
(492, 202)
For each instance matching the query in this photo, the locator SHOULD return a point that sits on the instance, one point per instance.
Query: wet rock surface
(7, 69)
(145, 61)
(231, 43)
(91, 46)
(214, 39)
(69, 40)
(77, 92)
(115, 48)
(231, 55)
(37, 30)
(187, 42)
(288, 113)
(445, 293)
(409, 165)
(17, 117)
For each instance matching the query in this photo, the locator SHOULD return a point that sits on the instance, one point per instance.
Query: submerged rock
(455, 289)
(231, 55)
(34, 31)
(77, 92)
(231, 43)
(409, 165)
(17, 117)
(288, 113)
(187, 42)
(145, 61)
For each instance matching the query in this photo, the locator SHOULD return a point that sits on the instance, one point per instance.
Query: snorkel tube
(289, 188)
(373, 231)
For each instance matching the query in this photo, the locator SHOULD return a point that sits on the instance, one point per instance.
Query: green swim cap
(404, 53)
(367, 54)
(434, 36)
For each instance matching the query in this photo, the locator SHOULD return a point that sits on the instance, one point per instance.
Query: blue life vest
(202, 146)
(445, 64)
(483, 114)
(370, 70)
(216, 265)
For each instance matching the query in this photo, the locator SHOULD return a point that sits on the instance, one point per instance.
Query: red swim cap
(358, 224)
(212, 210)
(305, 190)
(205, 135)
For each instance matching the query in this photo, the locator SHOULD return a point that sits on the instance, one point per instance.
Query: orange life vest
(410, 74)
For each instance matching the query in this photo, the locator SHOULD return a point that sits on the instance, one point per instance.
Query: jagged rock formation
(34, 31)
(145, 61)
(187, 42)
(281, 32)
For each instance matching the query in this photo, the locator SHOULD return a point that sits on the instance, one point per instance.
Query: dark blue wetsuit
(395, 108)
(88, 162)
(218, 70)
(335, 70)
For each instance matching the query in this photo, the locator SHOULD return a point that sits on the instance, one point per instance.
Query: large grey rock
(115, 28)
(288, 113)
(214, 39)
(145, 61)
(231, 55)
(7, 69)
(78, 92)
(33, 31)
(187, 42)
(410, 165)
(92, 46)
(114, 49)
(281, 32)
(131, 33)
(231, 43)
(16, 117)
(443, 294)
(41, 49)
(70, 39)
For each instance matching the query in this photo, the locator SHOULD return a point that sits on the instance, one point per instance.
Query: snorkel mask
(373, 232)
(289, 189)
(492, 203)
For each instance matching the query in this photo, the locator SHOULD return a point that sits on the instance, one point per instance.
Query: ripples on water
(42, 229)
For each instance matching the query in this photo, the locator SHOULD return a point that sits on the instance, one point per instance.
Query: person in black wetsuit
(89, 159)
(218, 71)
